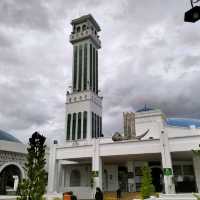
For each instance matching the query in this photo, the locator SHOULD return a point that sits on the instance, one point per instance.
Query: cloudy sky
(148, 56)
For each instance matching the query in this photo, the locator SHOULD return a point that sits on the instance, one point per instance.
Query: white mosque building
(88, 159)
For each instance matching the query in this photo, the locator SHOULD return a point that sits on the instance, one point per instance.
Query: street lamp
(193, 14)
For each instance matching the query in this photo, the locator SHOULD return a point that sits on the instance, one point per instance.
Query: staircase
(125, 196)
(183, 196)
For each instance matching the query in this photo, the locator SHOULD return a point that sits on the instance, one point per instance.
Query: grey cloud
(25, 14)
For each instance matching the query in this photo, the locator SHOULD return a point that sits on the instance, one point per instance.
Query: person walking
(99, 194)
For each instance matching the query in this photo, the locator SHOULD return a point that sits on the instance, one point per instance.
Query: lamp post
(193, 14)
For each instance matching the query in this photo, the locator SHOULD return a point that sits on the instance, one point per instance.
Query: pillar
(196, 163)
(167, 164)
(96, 165)
(52, 172)
(131, 181)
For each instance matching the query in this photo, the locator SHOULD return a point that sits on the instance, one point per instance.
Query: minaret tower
(83, 104)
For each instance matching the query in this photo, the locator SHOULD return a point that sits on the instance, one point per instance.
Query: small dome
(183, 122)
(8, 137)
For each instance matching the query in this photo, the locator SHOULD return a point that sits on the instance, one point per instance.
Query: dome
(183, 122)
(8, 137)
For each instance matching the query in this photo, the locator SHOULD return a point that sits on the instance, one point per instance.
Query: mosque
(88, 159)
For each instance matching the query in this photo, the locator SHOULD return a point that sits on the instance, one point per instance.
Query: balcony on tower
(85, 27)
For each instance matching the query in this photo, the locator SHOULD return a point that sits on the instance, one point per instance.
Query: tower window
(95, 125)
(84, 124)
(94, 71)
(85, 67)
(98, 135)
(79, 125)
(78, 29)
(90, 66)
(75, 68)
(93, 129)
(68, 126)
(74, 127)
(84, 27)
(80, 69)
(97, 87)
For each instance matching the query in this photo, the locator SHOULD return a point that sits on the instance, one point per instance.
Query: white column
(97, 164)
(196, 163)
(131, 181)
(166, 163)
(52, 168)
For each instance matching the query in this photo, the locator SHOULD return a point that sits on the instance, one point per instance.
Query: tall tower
(83, 104)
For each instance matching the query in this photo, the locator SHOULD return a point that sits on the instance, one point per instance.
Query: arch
(84, 27)
(10, 175)
(75, 178)
(78, 29)
(15, 164)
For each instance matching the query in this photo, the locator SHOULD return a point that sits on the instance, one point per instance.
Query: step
(182, 196)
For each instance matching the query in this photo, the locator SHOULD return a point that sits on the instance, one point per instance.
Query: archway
(157, 178)
(10, 175)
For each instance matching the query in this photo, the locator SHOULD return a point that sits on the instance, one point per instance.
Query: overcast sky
(148, 56)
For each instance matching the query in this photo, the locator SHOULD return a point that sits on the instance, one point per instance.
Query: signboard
(167, 171)
(95, 173)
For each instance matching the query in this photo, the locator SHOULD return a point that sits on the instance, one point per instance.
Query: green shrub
(57, 198)
(196, 196)
(147, 188)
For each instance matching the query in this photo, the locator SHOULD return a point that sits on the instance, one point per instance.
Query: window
(75, 178)
(90, 66)
(85, 68)
(84, 124)
(177, 170)
(100, 119)
(93, 133)
(95, 125)
(68, 126)
(188, 170)
(97, 72)
(84, 27)
(94, 71)
(75, 68)
(80, 68)
(74, 127)
(98, 134)
(79, 126)
(78, 29)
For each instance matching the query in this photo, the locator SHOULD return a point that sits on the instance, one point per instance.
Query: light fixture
(193, 14)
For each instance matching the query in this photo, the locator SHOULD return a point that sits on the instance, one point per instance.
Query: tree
(147, 188)
(33, 186)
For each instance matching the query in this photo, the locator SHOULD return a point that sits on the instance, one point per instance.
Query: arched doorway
(10, 175)
(157, 178)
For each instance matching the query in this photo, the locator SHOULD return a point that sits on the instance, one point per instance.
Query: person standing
(99, 194)
(119, 193)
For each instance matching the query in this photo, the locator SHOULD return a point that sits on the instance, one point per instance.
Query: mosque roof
(183, 122)
(8, 137)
